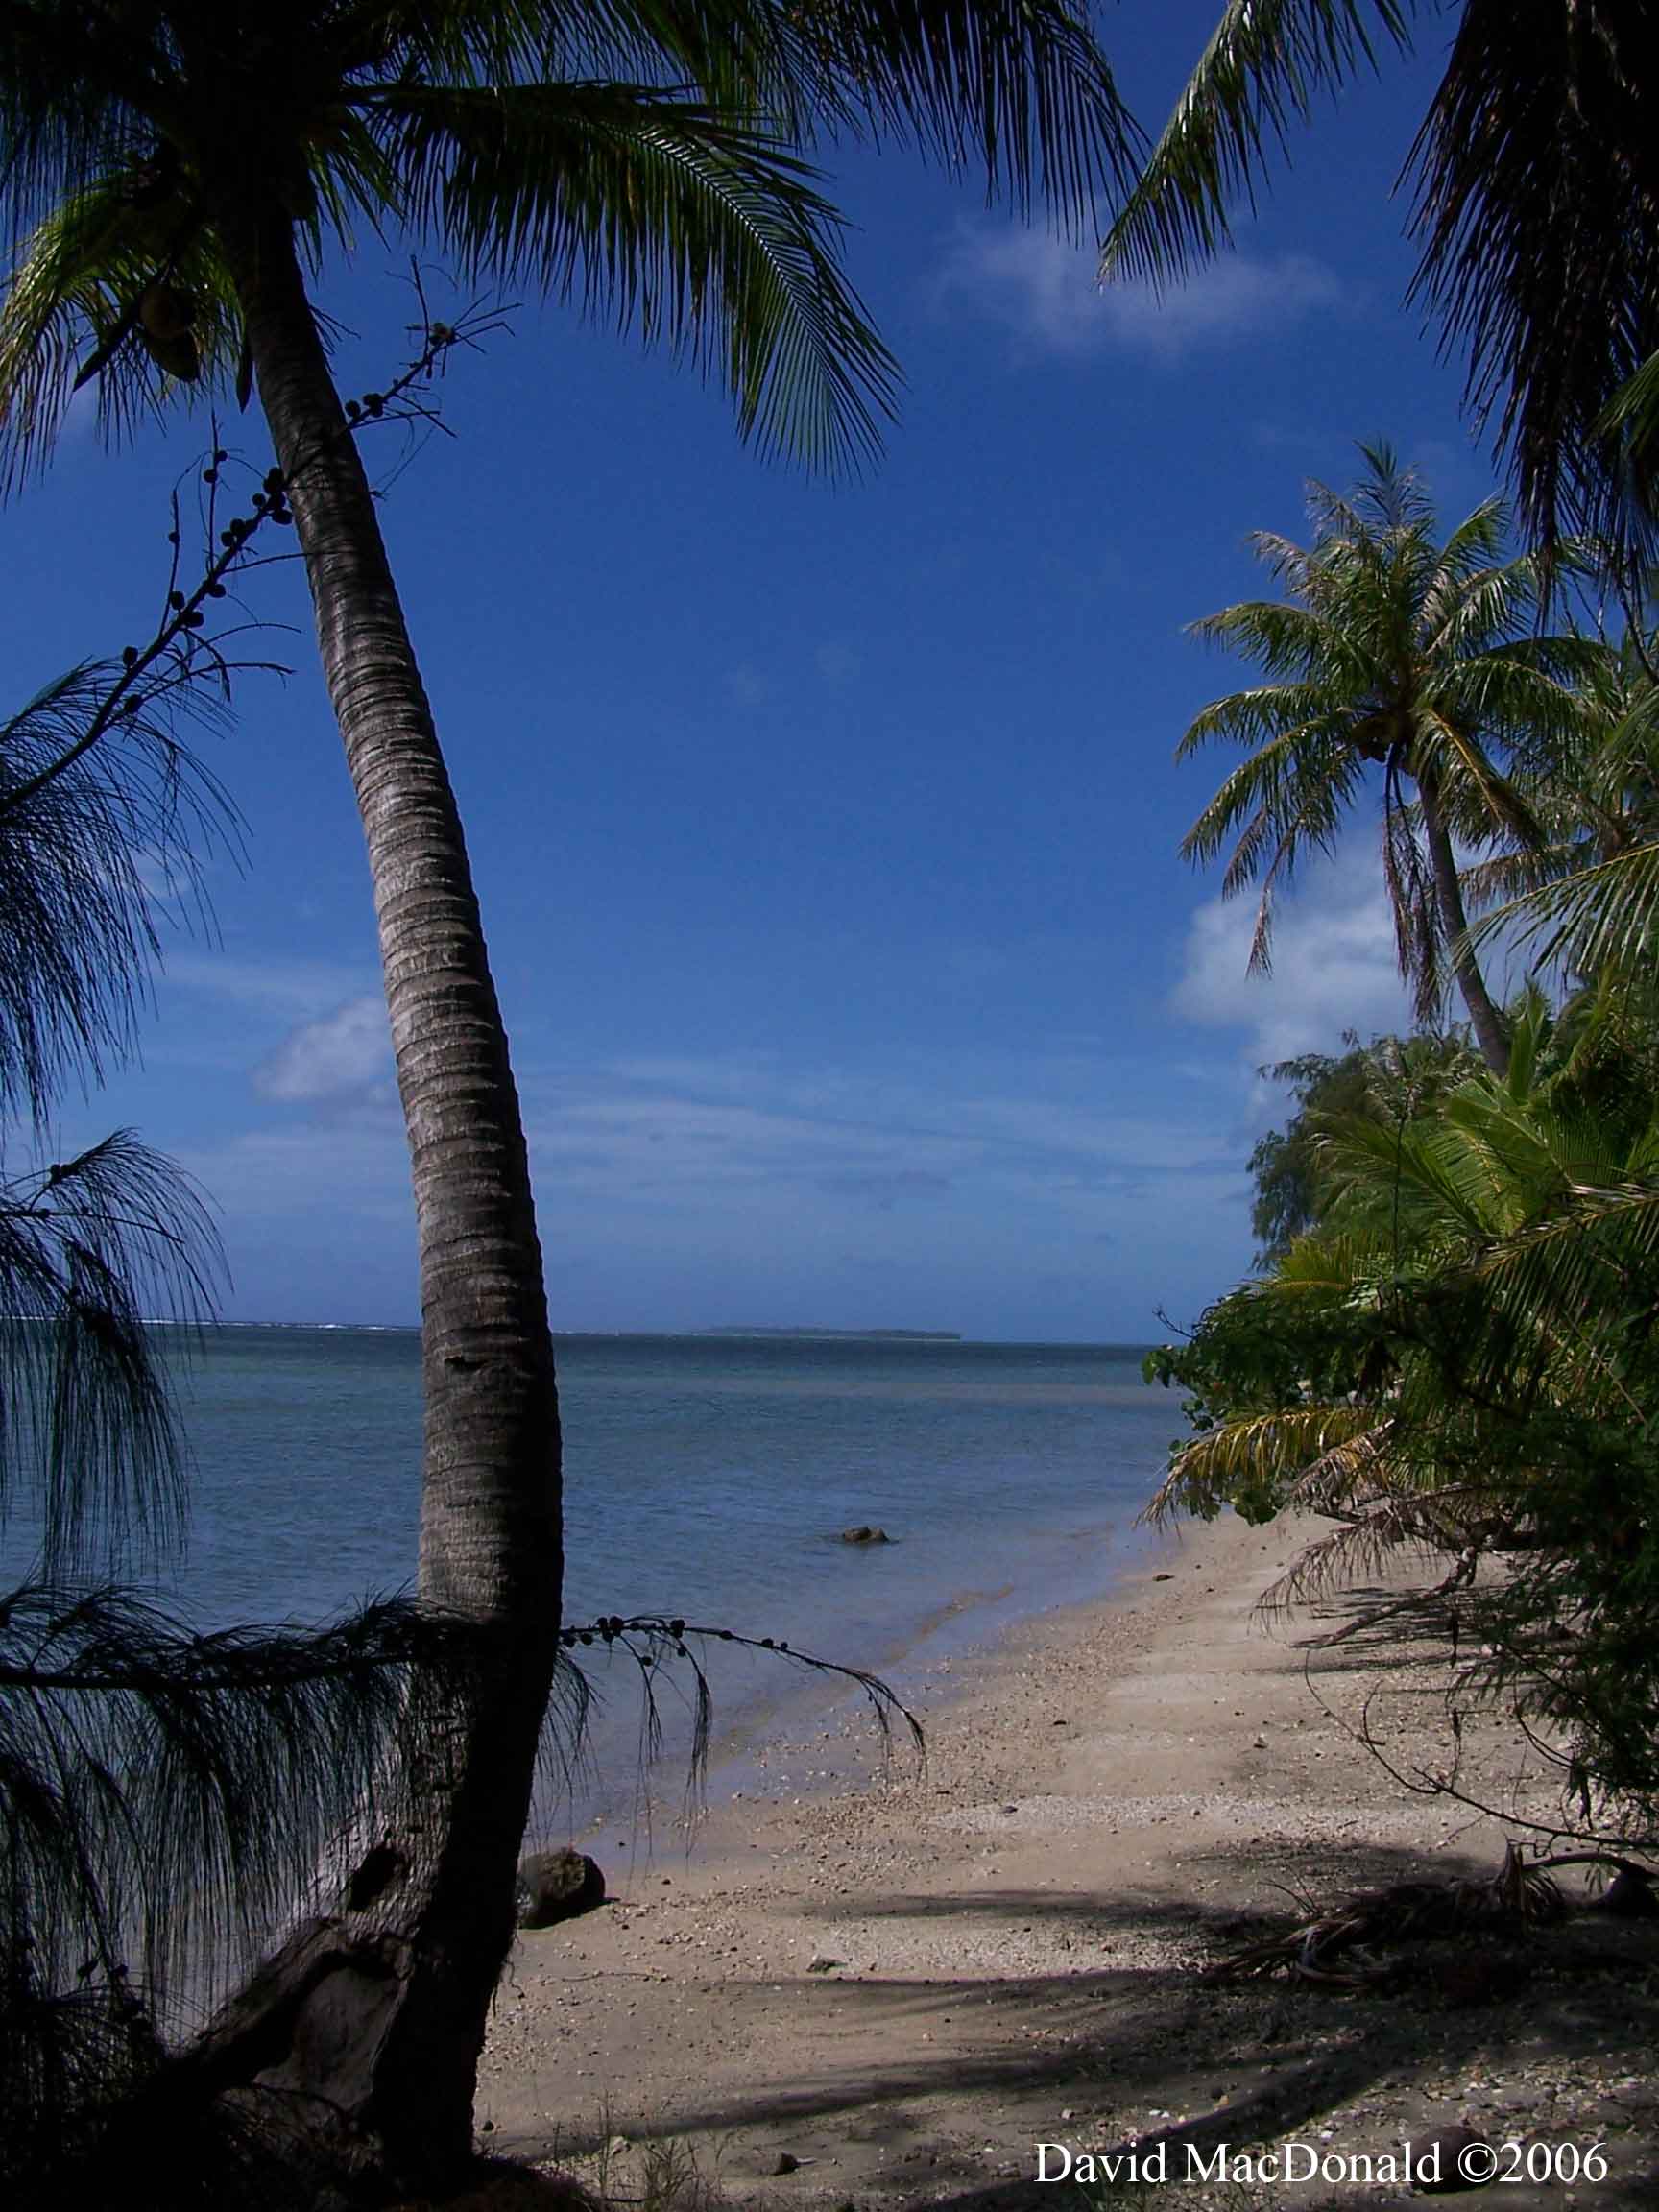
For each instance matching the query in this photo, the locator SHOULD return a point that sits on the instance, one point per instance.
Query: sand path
(907, 1986)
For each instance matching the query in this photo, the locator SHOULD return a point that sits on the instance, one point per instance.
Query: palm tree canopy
(1392, 651)
(1535, 176)
(1588, 899)
(644, 156)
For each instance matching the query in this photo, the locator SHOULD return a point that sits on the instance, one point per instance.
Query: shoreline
(779, 1702)
(891, 1995)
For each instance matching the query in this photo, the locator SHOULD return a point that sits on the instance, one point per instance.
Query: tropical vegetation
(174, 172)
(165, 1792)
(1535, 188)
(1399, 658)
(1452, 1349)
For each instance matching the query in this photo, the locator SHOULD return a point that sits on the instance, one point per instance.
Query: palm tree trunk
(1491, 1031)
(378, 2012)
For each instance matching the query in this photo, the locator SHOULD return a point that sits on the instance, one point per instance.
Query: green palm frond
(76, 294)
(646, 155)
(1606, 917)
(1420, 659)
(1264, 1450)
(1288, 638)
(1295, 713)
(701, 233)
(1337, 1264)
(1486, 797)
(1467, 603)
(1267, 63)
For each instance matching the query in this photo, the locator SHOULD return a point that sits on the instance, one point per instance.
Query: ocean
(706, 1477)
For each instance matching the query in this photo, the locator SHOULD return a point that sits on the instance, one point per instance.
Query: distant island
(864, 1336)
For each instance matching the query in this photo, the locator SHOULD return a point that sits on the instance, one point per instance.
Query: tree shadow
(1380, 1633)
(1153, 2035)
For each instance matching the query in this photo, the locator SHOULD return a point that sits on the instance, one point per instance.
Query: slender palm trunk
(1491, 1031)
(378, 2011)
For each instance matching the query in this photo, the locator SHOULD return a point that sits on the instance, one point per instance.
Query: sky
(826, 833)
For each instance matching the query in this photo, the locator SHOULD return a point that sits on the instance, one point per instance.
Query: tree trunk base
(295, 2068)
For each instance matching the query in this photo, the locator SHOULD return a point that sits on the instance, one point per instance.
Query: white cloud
(1333, 967)
(742, 1128)
(1045, 290)
(342, 1058)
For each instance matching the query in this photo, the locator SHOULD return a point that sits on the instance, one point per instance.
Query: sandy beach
(868, 1989)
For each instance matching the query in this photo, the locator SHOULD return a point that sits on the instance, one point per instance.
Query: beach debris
(863, 1533)
(1336, 1950)
(555, 1886)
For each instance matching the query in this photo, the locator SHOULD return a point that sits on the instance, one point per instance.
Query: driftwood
(1520, 1897)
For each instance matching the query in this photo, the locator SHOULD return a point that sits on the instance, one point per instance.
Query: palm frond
(1259, 1448)
(92, 1251)
(695, 231)
(99, 288)
(61, 117)
(105, 818)
(1633, 412)
(1020, 91)
(1264, 66)
(1535, 190)
(1604, 917)
(166, 1795)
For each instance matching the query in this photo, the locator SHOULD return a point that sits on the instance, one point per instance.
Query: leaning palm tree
(164, 1793)
(1397, 655)
(1536, 181)
(174, 170)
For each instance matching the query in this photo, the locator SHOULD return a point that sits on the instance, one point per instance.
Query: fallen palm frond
(1520, 1897)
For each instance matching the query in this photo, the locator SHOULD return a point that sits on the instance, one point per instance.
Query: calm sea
(708, 1476)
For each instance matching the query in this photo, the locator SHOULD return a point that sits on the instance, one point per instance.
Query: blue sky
(826, 834)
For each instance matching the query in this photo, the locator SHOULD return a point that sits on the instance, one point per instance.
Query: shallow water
(706, 1476)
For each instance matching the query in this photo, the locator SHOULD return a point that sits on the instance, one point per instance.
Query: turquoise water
(706, 1476)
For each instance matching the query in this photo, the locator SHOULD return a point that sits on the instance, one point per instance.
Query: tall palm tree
(173, 169)
(1397, 653)
(1536, 181)
(163, 1793)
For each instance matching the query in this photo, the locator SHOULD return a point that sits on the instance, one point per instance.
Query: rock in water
(555, 1886)
(864, 1534)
